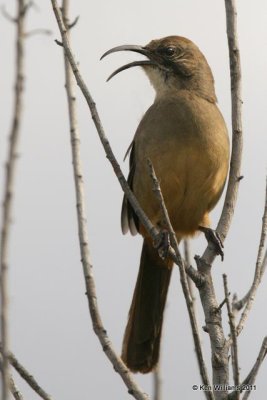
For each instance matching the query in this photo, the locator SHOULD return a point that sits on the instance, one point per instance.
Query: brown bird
(184, 135)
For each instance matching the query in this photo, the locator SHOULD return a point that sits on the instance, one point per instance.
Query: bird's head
(172, 63)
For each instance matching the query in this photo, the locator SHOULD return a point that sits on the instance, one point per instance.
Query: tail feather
(141, 344)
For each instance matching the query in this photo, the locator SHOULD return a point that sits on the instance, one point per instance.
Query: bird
(184, 135)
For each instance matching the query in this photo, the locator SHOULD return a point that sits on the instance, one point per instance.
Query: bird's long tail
(141, 343)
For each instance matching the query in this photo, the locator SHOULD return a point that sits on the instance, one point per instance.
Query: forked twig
(26, 375)
(12, 385)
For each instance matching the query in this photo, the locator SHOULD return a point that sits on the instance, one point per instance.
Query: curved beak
(134, 48)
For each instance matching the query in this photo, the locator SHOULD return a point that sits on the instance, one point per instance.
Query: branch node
(202, 265)
(72, 24)
(58, 42)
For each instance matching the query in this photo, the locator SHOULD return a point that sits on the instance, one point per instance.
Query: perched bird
(184, 135)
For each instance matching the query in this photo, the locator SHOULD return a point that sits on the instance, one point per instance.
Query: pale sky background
(51, 331)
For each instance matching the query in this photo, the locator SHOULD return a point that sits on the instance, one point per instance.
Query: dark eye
(169, 51)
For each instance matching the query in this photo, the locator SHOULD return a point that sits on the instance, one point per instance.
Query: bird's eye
(169, 51)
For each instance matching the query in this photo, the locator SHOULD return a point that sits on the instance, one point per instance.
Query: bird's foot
(162, 244)
(213, 237)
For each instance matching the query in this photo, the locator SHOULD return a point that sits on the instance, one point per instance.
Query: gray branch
(250, 380)
(157, 384)
(260, 267)
(26, 375)
(12, 385)
(9, 188)
(258, 270)
(213, 320)
(237, 132)
(234, 346)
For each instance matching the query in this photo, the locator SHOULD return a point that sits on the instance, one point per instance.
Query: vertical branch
(187, 258)
(9, 188)
(237, 132)
(157, 383)
(207, 292)
(82, 220)
(234, 346)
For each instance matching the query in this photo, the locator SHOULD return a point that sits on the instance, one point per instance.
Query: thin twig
(83, 235)
(235, 362)
(38, 31)
(12, 385)
(14, 389)
(220, 306)
(258, 270)
(188, 262)
(184, 282)
(237, 132)
(26, 375)
(9, 189)
(250, 379)
(6, 14)
(248, 382)
(157, 384)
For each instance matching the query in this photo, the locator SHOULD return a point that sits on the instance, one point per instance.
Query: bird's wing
(129, 220)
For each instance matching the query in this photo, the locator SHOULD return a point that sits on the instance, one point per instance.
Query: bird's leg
(162, 243)
(213, 237)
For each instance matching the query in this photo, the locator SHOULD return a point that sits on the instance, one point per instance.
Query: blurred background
(51, 331)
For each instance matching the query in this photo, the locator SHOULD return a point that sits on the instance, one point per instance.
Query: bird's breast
(186, 140)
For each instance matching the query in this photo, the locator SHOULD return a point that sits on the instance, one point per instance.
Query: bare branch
(9, 189)
(26, 375)
(220, 306)
(237, 132)
(72, 24)
(234, 346)
(82, 227)
(39, 31)
(188, 262)
(12, 386)
(157, 384)
(237, 136)
(14, 389)
(6, 14)
(184, 282)
(207, 294)
(260, 267)
(250, 379)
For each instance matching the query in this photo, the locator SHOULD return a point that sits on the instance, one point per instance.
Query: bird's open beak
(136, 49)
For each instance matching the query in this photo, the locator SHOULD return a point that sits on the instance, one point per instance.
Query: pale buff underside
(186, 139)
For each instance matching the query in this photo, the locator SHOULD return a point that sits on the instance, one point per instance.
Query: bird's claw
(162, 244)
(213, 237)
